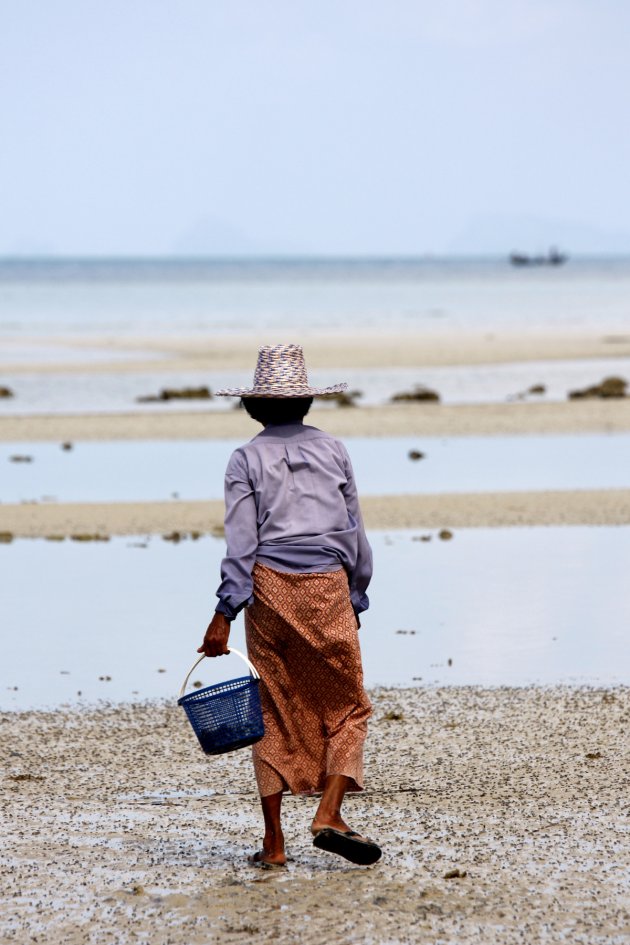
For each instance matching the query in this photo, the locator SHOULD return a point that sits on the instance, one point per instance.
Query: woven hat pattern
(280, 372)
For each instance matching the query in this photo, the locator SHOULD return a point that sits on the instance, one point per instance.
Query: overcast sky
(330, 126)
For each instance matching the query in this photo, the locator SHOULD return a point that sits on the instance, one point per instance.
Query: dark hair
(277, 409)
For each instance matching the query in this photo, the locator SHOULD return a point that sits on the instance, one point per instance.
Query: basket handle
(231, 649)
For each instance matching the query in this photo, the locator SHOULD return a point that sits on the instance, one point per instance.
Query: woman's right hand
(216, 637)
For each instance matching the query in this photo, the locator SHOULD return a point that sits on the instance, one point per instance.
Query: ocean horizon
(188, 295)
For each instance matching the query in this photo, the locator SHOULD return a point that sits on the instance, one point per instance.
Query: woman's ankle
(323, 819)
(273, 842)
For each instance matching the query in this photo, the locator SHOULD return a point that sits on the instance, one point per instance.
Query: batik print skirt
(302, 637)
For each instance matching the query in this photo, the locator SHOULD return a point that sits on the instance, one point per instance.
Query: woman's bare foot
(323, 820)
(265, 858)
(329, 811)
(272, 853)
(337, 823)
(332, 833)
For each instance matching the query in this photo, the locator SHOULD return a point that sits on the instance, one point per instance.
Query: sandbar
(448, 510)
(212, 352)
(579, 416)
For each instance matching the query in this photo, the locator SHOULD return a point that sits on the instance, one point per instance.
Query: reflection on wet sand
(487, 607)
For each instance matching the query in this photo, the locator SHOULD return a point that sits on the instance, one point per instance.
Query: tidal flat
(502, 814)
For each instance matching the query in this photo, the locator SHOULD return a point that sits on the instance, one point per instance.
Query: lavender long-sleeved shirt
(291, 503)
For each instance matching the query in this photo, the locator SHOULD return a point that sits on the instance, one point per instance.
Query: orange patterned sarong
(302, 637)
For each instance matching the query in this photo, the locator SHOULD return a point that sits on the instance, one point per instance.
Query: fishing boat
(553, 258)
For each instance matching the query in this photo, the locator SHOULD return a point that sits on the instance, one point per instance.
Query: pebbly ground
(117, 829)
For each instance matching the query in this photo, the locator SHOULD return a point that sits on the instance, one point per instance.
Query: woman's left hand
(216, 638)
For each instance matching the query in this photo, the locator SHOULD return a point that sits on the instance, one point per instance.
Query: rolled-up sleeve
(361, 574)
(241, 535)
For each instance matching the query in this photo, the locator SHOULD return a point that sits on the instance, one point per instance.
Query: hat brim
(280, 392)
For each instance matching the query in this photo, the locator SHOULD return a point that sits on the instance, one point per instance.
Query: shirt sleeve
(241, 535)
(361, 574)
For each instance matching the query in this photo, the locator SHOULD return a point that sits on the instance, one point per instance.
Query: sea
(122, 305)
(40, 297)
(120, 620)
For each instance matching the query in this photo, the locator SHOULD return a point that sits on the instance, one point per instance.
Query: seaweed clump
(418, 394)
(610, 387)
(177, 393)
(344, 398)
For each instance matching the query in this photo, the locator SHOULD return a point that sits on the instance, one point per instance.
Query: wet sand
(118, 829)
(452, 510)
(205, 352)
(587, 416)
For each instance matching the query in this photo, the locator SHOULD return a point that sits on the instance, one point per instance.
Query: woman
(298, 560)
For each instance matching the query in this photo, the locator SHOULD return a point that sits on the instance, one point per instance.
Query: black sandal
(349, 844)
(256, 859)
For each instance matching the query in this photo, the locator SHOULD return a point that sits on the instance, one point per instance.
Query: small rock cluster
(610, 387)
(345, 398)
(177, 393)
(176, 536)
(533, 389)
(418, 394)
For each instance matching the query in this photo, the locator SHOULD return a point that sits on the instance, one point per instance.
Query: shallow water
(506, 606)
(160, 470)
(21, 352)
(94, 392)
(179, 296)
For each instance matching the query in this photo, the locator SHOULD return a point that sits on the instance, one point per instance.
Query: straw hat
(280, 372)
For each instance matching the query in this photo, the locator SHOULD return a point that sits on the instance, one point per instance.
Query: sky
(330, 127)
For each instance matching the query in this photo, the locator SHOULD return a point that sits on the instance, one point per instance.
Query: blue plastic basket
(225, 716)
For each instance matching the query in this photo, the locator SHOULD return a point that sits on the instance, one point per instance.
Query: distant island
(553, 258)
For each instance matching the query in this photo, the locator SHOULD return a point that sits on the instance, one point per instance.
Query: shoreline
(323, 350)
(377, 693)
(433, 511)
(487, 827)
(496, 419)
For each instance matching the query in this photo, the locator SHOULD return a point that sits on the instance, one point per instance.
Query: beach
(466, 509)
(500, 811)
(499, 805)
(426, 202)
